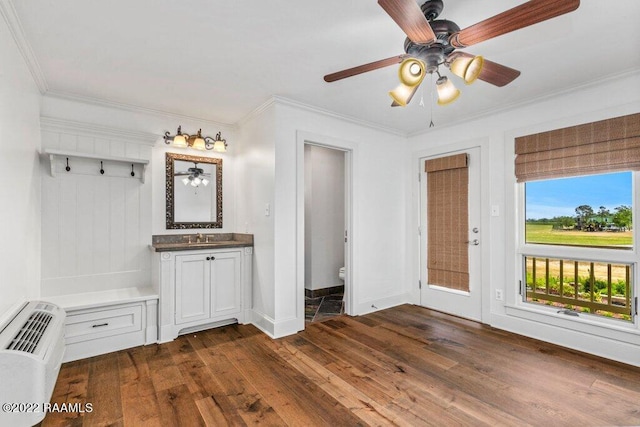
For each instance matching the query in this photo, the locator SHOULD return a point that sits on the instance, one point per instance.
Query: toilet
(341, 273)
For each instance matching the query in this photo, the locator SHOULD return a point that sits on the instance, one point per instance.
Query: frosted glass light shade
(185, 181)
(467, 68)
(198, 143)
(447, 92)
(411, 74)
(219, 146)
(402, 94)
(179, 141)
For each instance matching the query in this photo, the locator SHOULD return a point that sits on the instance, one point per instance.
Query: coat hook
(68, 168)
(101, 168)
(132, 172)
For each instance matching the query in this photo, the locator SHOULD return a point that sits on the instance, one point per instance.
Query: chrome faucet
(198, 237)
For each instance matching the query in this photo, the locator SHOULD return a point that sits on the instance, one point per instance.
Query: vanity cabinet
(207, 286)
(201, 288)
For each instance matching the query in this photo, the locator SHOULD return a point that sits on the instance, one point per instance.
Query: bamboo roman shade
(447, 222)
(606, 146)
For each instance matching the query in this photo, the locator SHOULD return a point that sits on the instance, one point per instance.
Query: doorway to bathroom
(326, 235)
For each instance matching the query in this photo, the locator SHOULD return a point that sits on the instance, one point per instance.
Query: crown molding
(279, 100)
(132, 108)
(51, 124)
(334, 115)
(10, 16)
(535, 100)
(256, 112)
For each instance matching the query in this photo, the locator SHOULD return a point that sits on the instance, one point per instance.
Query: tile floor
(323, 308)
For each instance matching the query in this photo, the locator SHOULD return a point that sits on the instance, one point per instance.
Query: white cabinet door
(225, 284)
(193, 288)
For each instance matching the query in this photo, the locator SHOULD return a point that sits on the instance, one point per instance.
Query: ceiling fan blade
(529, 13)
(410, 19)
(363, 68)
(492, 72)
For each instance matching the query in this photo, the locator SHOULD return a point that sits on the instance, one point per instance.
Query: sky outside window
(560, 197)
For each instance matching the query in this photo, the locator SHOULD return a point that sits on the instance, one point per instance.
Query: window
(592, 211)
(577, 198)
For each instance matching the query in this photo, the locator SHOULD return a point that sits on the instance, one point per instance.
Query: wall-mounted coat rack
(101, 162)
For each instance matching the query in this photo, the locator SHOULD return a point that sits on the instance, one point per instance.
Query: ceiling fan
(433, 42)
(194, 176)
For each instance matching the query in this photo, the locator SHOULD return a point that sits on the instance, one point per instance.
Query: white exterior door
(438, 294)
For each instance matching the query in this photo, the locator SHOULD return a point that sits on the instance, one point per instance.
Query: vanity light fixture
(197, 141)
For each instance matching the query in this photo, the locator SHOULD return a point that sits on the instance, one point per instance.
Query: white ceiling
(219, 59)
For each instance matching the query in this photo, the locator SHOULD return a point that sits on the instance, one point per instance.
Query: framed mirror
(194, 191)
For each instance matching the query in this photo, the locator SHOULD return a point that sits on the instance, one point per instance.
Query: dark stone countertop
(181, 242)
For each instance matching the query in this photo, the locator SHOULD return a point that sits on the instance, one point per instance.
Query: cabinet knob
(208, 258)
(213, 258)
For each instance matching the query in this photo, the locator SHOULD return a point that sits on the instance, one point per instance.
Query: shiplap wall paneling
(96, 228)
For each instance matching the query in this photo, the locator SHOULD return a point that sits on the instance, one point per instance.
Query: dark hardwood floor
(402, 366)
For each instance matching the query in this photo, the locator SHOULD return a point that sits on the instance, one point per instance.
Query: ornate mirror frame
(170, 212)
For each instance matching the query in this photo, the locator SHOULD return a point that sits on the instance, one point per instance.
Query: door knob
(474, 242)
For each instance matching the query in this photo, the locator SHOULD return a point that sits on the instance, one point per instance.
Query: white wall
(324, 216)
(377, 276)
(495, 135)
(149, 124)
(19, 177)
(256, 173)
(96, 228)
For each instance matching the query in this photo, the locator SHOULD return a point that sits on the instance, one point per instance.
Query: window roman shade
(611, 145)
(448, 222)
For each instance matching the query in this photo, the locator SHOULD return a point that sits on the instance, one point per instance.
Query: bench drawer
(99, 323)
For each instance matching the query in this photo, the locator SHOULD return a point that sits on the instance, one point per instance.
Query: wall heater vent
(31, 352)
(31, 332)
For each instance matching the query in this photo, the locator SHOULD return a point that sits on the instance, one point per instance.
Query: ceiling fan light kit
(433, 42)
(197, 141)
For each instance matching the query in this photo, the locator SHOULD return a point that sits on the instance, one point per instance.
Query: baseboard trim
(277, 329)
(599, 346)
(371, 306)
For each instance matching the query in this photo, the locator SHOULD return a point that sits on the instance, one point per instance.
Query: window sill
(606, 328)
